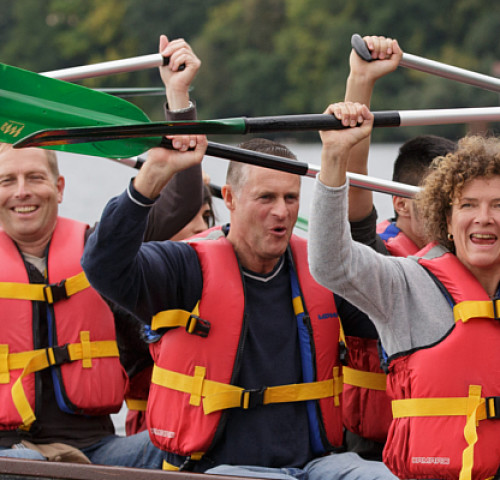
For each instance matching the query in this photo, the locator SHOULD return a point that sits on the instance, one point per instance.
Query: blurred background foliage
(264, 57)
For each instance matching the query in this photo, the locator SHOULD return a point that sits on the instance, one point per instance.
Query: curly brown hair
(475, 157)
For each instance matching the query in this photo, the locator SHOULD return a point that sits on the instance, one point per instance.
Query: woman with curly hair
(437, 314)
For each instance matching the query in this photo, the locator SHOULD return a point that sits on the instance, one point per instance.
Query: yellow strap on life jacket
(136, 404)
(169, 467)
(342, 334)
(196, 456)
(175, 318)
(219, 396)
(360, 378)
(42, 292)
(473, 407)
(37, 360)
(466, 310)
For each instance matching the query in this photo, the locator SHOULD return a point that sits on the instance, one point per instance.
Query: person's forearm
(181, 199)
(359, 88)
(110, 250)
(333, 171)
(345, 267)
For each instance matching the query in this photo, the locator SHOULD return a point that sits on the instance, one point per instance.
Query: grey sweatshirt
(398, 295)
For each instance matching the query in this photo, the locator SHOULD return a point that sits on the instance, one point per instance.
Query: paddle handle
(108, 68)
(435, 68)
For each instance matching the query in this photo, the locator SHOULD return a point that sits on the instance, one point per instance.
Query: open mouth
(279, 230)
(25, 208)
(483, 238)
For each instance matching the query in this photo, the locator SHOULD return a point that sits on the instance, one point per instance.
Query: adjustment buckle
(197, 326)
(495, 311)
(492, 405)
(343, 353)
(252, 398)
(60, 355)
(53, 292)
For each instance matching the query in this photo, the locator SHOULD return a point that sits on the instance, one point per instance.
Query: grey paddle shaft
(107, 68)
(448, 71)
(431, 66)
(410, 118)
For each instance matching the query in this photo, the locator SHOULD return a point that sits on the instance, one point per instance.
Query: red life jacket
(136, 398)
(365, 405)
(396, 242)
(82, 352)
(193, 373)
(445, 392)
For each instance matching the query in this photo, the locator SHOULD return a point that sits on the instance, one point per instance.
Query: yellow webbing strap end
(169, 467)
(360, 378)
(136, 404)
(4, 364)
(36, 363)
(470, 432)
(298, 306)
(466, 310)
(76, 284)
(173, 318)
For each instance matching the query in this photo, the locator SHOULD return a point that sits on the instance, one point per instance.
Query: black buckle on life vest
(252, 398)
(58, 291)
(61, 355)
(492, 407)
(197, 326)
(495, 311)
(343, 353)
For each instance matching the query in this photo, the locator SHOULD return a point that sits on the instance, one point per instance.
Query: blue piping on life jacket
(390, 232)
(307, 361)
(55, 378)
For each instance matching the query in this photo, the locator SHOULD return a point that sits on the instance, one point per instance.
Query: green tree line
(265, 57)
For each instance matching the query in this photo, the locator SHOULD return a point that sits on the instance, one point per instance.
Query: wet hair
(51, 158)
(237, 171)
(416, 155)
(475, 157)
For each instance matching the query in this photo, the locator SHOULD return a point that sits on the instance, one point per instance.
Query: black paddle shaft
(291, 123)
(249, 156)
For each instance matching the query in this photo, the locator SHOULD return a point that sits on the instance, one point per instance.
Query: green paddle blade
(30, 102)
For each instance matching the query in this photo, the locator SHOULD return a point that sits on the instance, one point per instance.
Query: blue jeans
(132, 451)
(337, 466)
(21, 453)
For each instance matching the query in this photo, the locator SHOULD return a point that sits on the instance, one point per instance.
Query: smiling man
(30, 190)
(50, 313)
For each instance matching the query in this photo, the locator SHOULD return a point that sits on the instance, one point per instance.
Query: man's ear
(402, 206)
(228, 196)
(60, 184)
